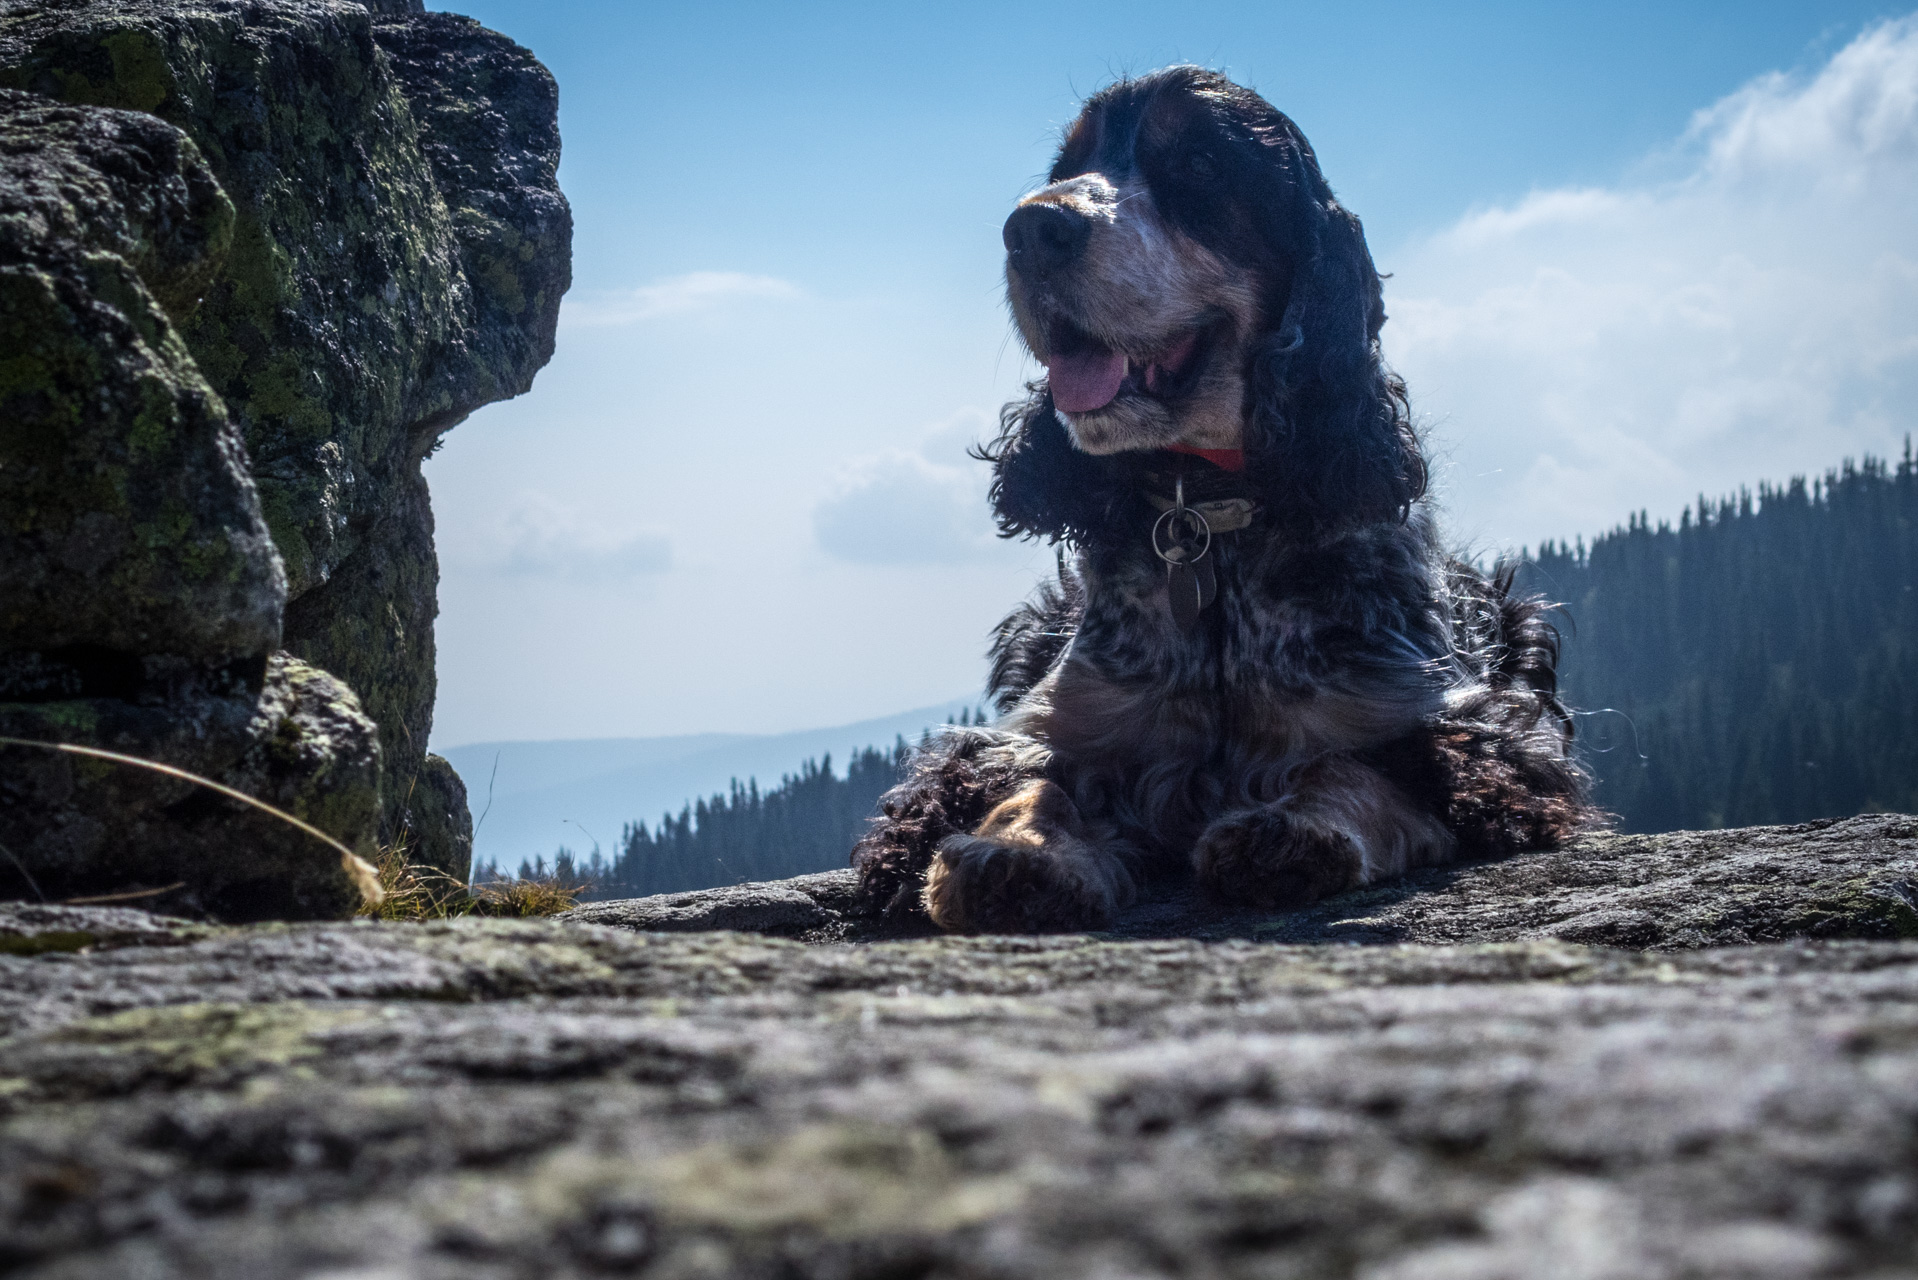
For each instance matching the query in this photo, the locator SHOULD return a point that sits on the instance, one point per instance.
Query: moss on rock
(128, 519)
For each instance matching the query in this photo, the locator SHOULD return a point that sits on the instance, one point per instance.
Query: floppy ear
(1042, 484)
(1329, 437)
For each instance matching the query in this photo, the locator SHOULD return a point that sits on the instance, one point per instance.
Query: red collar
(1225, 459)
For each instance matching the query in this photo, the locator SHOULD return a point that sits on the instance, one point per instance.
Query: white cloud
(1585, 353)
(1862, 106)
(925, 505)
(694, 292)
(545, 539)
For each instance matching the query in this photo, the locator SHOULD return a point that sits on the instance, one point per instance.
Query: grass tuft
(422, 893)
(526, 898)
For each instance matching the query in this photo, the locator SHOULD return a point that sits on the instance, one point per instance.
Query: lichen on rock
(141, 594)
(540, 1098)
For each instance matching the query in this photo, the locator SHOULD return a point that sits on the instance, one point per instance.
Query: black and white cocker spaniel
(1259, 663)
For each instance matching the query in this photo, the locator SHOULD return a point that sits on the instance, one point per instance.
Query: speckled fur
(1355, 703)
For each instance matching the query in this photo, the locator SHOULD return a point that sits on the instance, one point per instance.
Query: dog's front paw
(1269, 859)
(980, 885)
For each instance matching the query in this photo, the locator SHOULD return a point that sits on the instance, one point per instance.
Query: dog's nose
(1044, 237)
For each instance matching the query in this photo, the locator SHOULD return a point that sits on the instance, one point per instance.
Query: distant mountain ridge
(577, 791)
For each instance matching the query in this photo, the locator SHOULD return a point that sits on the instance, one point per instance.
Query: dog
(1257, 662)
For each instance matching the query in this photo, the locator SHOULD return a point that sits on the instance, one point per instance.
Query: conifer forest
(1752, 664)
(807, 823)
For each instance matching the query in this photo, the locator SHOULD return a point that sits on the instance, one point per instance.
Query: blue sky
(893, 132)
(737, 499)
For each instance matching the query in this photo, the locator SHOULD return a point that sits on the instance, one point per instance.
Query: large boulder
(537, 1099)
(398, 249)
(140, 592)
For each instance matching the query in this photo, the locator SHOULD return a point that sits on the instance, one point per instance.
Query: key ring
(1195, 526)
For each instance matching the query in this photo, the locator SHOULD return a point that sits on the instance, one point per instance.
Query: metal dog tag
(1182, 586)
(1208, 582)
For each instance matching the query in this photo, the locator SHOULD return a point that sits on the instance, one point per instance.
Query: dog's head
(1187, 277)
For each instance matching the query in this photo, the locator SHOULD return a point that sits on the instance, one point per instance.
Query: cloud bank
(1590, 352)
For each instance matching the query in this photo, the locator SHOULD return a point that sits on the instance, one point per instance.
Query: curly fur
(948, 790)
(1033, 636)
(1356, 702)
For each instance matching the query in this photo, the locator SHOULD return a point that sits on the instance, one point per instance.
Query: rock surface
(128, 519)
(30, 929)
(294, 737)
(828, 901)
(538, 1099)
(392, 256)
(1855, 878)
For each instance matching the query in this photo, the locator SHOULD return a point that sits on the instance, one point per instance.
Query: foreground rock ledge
(533, 1099)
(1850, 878)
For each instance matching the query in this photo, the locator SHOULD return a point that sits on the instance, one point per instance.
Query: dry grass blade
(363, 876)
(132, 895)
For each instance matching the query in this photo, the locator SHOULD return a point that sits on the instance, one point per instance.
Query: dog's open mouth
(1086, 375)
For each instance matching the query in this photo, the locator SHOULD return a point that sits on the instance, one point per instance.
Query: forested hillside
(1753, 664)
(807, 823)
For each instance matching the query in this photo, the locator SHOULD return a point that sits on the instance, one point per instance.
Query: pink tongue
(1083, 383)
